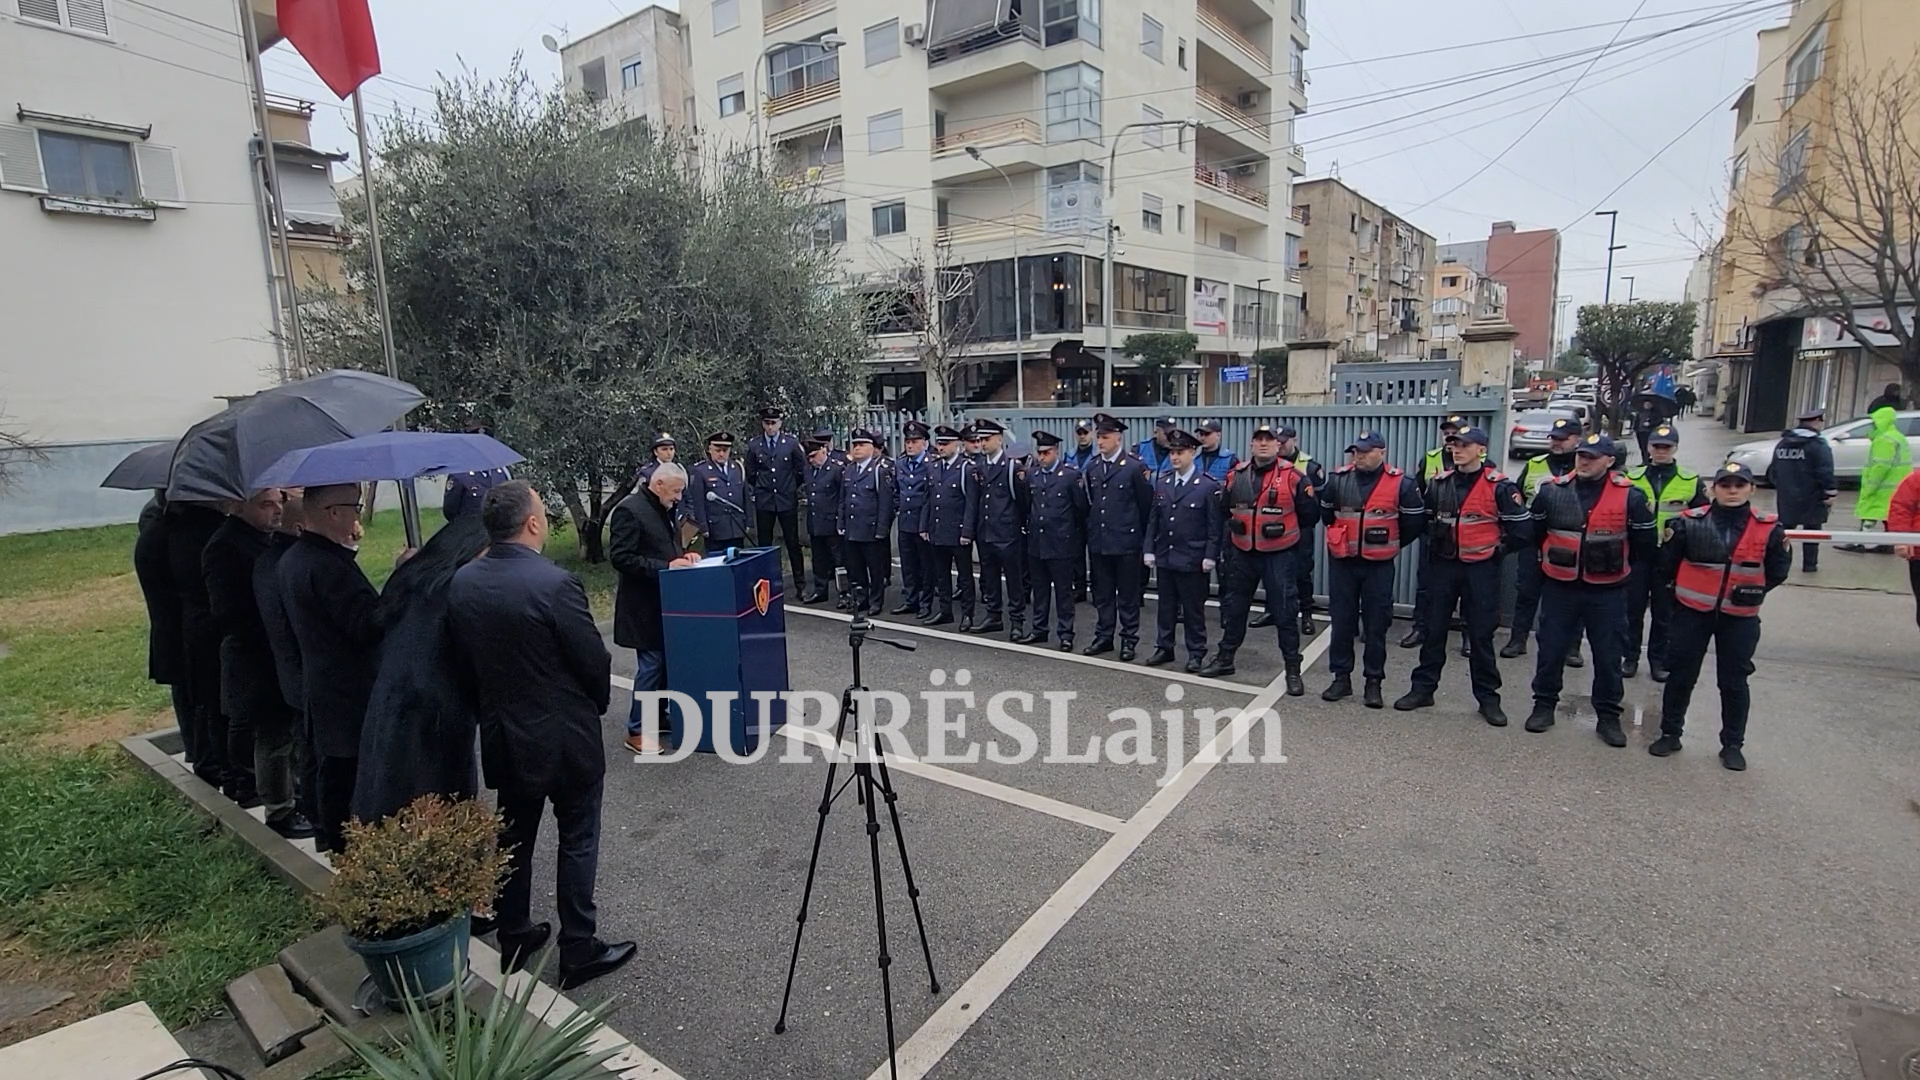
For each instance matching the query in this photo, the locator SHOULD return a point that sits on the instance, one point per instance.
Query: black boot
(1370, 695)
(1516, 645)
(1265, 618)
(1340, 688)
(1160, 656)
(1307, 626)
(1413, 699)
(1295, 685)
(1541, 718)
(1665, 745)
(1657, 671)
(1609, 731)
(1221, 664)
(1415, 637)
(1193, 663)
(1574, 659)
(1491, 712)
(1126, 651)
(1629, 667)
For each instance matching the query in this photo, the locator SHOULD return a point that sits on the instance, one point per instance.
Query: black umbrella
(143, 470)
(220, 457)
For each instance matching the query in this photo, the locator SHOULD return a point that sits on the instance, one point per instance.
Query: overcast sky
(1543, 145)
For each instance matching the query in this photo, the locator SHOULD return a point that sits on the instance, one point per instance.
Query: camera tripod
(871, 782)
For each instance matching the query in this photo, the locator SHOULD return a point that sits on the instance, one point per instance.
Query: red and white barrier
(1831, 537)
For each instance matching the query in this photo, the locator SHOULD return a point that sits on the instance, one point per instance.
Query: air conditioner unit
(916, 33)
(1247, 99)
(1248, 169)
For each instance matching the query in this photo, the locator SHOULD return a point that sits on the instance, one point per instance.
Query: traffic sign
(1235, 374)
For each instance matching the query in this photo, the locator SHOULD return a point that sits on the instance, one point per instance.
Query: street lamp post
(828, 42)
(1628, 278)
(1259, 319)
(1019, 369)
(1106, 294)
(1613, 226)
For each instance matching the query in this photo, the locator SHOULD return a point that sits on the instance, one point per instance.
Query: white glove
(1149, 558)
(1207, 565)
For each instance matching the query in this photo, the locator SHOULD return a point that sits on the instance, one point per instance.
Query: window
(1256, 313)
(1229, 242)
(801, 67)
(1300, 11)
(883, 132)
(1793, 161)
(87, 168)
(883, 42)
(1073, 103)
(1180, 217)
(1153, 136)
(1297, 64)
(1153, 38)
(890, 219)
(942, 213)
(1067, 20)
(733, 95)
(891, 313)
(1151, 299)
(630, 75)
(831, 226)
(690, 113)
(593, 79)
(87, 15)
(1150, 216)
(1181, 54)
(1451, 281)
(1353, 223)
(1805, 67)
(1739, 172)
(1074, 199)
(726, 15)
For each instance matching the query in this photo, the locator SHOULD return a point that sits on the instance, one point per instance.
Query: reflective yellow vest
(1670, 503)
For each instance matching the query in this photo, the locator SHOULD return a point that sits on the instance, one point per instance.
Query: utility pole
(1013, 224)
(1613, 226)
(1259, 317)
(1629, 281)
(1106, 305)
(1106, 395)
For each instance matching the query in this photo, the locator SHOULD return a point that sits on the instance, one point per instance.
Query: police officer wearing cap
(824, 435)
(1001, 537)
(664, 450)
(1671, 489)
(1081, 452)
(1436, 461)
(1213, 459)
(1270, 508)
(1563, 438)
(972, 436)
(1302, 555)
(717, 496)
(953, 513)
(1720, 562)
(1183, 546)
(1056, 517)
(910, 475)
(1592, 526)
(1475, 517)
(866, 517)
(776, 467)
(823, 518)
(1119, 502)
(1803, 483)
(1371, 511)
(1152, 451)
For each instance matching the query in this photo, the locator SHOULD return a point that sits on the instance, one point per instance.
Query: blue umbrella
(388, 455)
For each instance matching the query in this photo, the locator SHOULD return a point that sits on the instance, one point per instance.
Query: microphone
(714, 496)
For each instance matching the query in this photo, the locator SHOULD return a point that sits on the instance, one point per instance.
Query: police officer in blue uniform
(823, 517)
(1183, 546)
(1001, 538)
(1213, 459)
(664, 450)
(1056, 538)
(866, 517)
(1269, 507)
(1081, 453)
(717, 496)
(776, 467)
(466, 491)
(910, 503)
(1475, 517)
(1152, 451)
(953, 513)
(1303, 554)
(1803, 483)
(1119, 501)
(824, 434)
(1371, 511)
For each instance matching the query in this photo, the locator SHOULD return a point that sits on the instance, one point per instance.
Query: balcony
(1015, 145)
(1012, 48)
(1294, 274)
(1018, 130)
(980, 232)
(1303, 215)
(800, 99)
(1217, 33)
(1223, 181)
(1239, 122)
(796, 13)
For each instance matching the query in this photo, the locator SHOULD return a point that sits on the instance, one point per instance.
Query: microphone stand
(871, 785)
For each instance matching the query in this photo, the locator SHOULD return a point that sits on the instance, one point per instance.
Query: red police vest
(1710, 586)
(1271, 523)
(1596, 553)
(1371, 532)
(1476, 527)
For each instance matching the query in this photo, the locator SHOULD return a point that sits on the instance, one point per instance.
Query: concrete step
(271, 1012)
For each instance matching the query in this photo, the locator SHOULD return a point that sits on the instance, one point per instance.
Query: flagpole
(409, 498)
(277, 219)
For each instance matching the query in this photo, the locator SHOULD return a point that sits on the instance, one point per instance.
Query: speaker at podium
(725, 620)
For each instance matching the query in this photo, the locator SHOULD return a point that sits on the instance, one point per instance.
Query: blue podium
(726, 630)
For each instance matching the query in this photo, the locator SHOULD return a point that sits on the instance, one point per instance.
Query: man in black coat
(189, 526)
(259, 732)
(271, 599)
(1803, 483)
(823, 517)
(640, 544)
(533, 657)
(776, 467)
(166, 649)
(466, 490)
(334, 612)
(866, 517)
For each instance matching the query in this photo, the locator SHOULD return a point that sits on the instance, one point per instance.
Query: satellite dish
(548, 40)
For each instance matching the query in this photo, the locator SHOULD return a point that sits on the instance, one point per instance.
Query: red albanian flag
(335, 37)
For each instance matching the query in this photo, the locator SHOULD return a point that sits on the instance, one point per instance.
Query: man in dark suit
(1183, 544)
(866, 517)
(271, 599)
(528, 647)
(823, 518)
(776, 467)
(166, 649)
(259, 737)
(332, 607)
(1056, 516)
(953, 513)
(189, 526)
(1119, 501)
(1002, 534)
(911, 472)
(640, 545)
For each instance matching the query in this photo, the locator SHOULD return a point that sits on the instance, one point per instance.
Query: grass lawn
(109, 886)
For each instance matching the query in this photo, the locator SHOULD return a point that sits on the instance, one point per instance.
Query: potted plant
(405, 889)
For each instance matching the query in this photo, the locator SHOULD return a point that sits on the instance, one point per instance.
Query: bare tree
(17, 451)
(934, 297)
(1838, 230)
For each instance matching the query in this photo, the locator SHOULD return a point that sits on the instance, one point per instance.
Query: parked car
(1849, 442)
(1529, 434)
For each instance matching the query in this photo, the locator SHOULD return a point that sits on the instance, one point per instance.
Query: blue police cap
(1598, 444)
(1471, 435)
(1368, 440)
(1664, 435)
(1564, 427)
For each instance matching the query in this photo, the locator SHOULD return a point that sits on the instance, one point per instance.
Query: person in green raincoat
(1889, 460)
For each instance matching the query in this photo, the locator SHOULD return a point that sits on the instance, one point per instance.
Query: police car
(1849, 442)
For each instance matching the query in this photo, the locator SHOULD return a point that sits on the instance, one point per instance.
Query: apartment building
(1778, 360)
(1368, 274)
(316, 237)
(138, 286)
(636, 67)
(985, 147)
(1527, 263)
(1461, 297)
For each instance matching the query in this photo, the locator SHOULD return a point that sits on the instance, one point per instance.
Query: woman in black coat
(420, 729)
